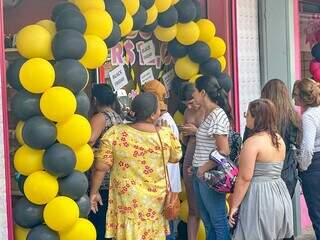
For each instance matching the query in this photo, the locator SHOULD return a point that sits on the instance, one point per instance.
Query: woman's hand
(233, 215)
(188, 129)
(201, 171)
(95, 199)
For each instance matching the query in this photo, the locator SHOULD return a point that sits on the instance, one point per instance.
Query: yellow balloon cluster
(81, 228)
(27, 160)
(84, 156)
(185, 68)
(166, 34)
(188, 33)
(99, 23)
(126, 25)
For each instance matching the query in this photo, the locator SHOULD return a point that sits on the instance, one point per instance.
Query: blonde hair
(308, 92)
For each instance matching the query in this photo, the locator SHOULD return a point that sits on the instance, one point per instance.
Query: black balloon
(25, 105)
(59, 160)
(150, 28)
(71, 74)
(186, 11)
(13, 73)
(168, 18)
(39, 133)
(139, 19)
(225, 82)
(21, 181)
(42, 232)
(176, 49)
(147, 3)
(73, 186)
(116, 9)
(315, 51)
(27, 214)
(83, 104)
(61, 7)
(212, 67)
(71, 19)
(198, 10)
(68, 44)
(114, 37)
(199, 52)
(84, 206)
(176, 85)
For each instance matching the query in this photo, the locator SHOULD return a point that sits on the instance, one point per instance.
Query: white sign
(167, 78)
(118, 77)
(148, 52)
(146, 76)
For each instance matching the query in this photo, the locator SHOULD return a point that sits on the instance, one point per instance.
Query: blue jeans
(172, 234)
(310, 186)
(213, 212)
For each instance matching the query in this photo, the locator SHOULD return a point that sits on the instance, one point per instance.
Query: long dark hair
(104, 94)
(277, 92)
(264, 113)
(143, 106)
(215, 93)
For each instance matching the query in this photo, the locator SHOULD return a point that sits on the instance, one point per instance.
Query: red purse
(171, 209)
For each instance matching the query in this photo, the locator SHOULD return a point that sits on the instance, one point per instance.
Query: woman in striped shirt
(212, 134)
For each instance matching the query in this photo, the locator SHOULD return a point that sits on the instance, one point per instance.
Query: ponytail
(215, 93)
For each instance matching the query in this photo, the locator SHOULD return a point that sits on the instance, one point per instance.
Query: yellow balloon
(61, 214)
(27, 160)
(188, 33)
(183, 193)
(178, 118)
(207, 30)
(82, 229)
(217, 47)
(20, 233)
(165, 34)
(202, 232)
(40, 187)
(37, 75)
(18, 132)
(223, 63)
(193, 79)
(162, 5)
(152, 14)
(96, 53)
(132, 6)
(184, 211)
(126, 25)
(34, 41)
(99, 23)
(85, 5)
(84, 156)
(74, 132)
(58, 104)
(185, 68)
(49, 25)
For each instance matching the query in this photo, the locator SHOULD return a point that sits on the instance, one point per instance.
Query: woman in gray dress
(261, 206)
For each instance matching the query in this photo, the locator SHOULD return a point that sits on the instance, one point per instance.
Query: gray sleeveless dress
(266, 210)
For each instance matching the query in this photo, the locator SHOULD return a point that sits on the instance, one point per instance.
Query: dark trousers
(99, 219)
(310, 180)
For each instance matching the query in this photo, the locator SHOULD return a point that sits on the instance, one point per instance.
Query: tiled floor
(307, 235)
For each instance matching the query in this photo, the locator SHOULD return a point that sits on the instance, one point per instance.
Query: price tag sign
(118, 77)
(148, 52)
(146, 76)
(167, 78)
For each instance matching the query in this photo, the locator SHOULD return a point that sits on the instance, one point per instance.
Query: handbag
(171, 209)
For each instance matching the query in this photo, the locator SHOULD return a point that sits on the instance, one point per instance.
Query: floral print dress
(137, 183)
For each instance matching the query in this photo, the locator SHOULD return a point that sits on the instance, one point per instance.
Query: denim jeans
(172, 233)
(213, 212)
(310, 180)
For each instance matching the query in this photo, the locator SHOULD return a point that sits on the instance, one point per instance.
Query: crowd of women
(281, 144)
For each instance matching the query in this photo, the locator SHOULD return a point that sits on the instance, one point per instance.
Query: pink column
(5, 126)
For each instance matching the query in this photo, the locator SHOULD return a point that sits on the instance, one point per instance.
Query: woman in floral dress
(137, 185)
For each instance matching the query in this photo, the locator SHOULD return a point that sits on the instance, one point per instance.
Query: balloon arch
(53, 130)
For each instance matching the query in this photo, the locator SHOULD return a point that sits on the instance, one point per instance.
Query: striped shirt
(216, 123)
